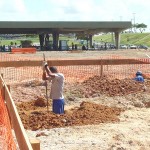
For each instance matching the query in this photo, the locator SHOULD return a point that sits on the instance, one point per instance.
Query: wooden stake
(101, 73)
(46, 85)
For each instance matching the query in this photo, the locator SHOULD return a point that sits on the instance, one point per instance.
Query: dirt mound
(97, 85)
(87, 113)
(41, 102)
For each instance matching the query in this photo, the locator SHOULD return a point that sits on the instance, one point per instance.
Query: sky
(136, 11)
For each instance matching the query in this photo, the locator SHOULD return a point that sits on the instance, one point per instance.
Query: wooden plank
(35, 144)
(73, 62)
(96, 62)
(1, 83)
(20, 63)
(20, 133)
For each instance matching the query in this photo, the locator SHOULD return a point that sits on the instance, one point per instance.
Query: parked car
(143, 47)
(123, 47)
(133, 47)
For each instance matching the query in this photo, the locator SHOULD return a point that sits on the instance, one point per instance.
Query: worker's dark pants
(58, 106)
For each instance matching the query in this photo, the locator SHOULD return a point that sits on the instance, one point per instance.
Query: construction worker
(57, 84)
(139, 76)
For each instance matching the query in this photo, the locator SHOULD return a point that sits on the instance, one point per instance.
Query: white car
(133, 47)
(123, 47)
(6, 48)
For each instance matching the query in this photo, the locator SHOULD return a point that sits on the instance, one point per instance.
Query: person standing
(72, 46)
(76, 47)
(57, 84)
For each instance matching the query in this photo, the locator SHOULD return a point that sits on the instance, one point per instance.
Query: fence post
(101, 73)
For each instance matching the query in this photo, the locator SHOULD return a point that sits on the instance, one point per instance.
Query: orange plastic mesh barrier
(6, 137)
(76, 73)
(23, 50)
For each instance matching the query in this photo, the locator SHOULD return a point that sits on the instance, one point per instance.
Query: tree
(11, 43)
(82, 36)
(141, 27)
(26, 43)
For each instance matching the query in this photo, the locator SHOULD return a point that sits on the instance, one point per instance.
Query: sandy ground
(54, 55)
(131, 133)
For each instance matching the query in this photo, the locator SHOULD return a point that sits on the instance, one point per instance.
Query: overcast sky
(76, 10)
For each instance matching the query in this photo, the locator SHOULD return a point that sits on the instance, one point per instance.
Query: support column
(117, 40)
(90, 40)
(41, 39)
(47, 44)
(55, 40)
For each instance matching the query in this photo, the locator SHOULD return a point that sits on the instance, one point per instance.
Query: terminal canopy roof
(62, 27)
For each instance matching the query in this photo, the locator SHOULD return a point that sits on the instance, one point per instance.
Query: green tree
(82, 36)
(26, 43)
(141, 27)
(11, 43)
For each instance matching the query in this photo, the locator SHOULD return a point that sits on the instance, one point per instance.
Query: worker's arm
(46, 72)
(49, 73)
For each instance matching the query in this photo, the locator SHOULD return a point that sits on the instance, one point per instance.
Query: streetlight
(132, 25)
(120, 18)
(134, 20)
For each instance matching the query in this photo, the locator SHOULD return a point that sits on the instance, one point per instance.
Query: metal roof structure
(62, 27)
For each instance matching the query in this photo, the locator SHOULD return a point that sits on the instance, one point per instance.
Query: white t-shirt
(57, 86)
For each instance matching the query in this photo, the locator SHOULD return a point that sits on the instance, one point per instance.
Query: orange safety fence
(23, 50)
(73, 73)
(76, 73)
(6, 138)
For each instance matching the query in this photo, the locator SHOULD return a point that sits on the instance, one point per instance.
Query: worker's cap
(138, 73)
